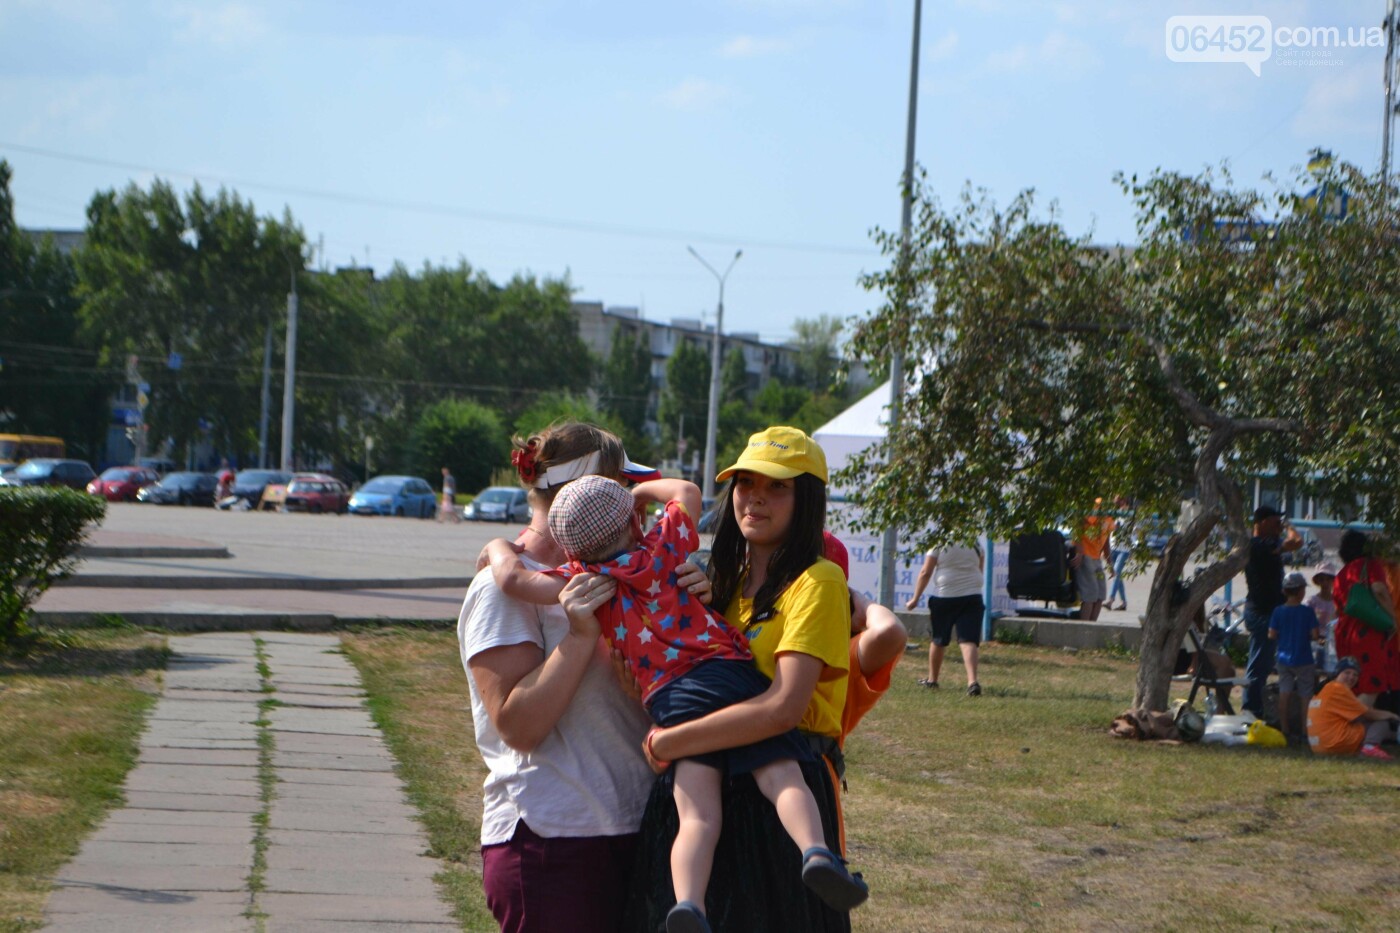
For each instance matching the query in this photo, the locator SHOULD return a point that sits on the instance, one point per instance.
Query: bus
(17, 448)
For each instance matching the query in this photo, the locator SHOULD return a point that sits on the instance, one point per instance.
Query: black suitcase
(1037, 568)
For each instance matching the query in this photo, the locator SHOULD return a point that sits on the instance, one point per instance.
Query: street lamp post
(712, 423)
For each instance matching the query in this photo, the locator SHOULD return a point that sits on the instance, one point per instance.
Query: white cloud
(1057, 52)
(695, 94)
(753, 47)
(942, 49)
(218, 24)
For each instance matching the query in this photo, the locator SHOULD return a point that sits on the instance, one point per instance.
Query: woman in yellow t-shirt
(773, 584)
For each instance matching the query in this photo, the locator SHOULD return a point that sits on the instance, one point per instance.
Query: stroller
(1037, 569)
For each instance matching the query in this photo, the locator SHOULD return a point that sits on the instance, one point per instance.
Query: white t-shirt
(588, 776)
(957, 573)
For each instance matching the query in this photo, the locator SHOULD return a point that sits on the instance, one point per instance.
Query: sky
(598, 140)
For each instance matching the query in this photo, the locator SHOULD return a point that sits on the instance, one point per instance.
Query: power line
(421, 207)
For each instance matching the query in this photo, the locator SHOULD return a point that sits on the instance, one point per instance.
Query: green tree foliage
(464, 436)
(818, 351)
(1214, 350)
(775, 403)
(626, 382)
(687, 395)
(558, 407)
(40, 531)
(733, 377)
(200, 278)
(48, 383)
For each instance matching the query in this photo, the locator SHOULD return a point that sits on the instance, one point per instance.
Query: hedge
(41, 529)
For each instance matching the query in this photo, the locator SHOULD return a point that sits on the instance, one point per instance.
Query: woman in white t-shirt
(562, 742)
(956, 605)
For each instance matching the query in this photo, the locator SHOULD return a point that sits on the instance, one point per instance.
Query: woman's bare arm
(775, 711)
(925, 575)
(526, 692)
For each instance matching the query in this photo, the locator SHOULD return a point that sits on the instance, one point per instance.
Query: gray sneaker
(974, 689)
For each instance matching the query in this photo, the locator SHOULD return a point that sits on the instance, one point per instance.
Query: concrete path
(247, 815)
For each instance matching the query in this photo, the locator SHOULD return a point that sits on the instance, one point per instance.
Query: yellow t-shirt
(812, 616)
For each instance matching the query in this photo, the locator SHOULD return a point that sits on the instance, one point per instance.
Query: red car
(121, 484)
(316, 492)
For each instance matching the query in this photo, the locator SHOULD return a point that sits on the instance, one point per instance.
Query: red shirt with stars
(660, 629)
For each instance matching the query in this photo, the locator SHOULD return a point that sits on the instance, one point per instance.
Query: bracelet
(646, 744)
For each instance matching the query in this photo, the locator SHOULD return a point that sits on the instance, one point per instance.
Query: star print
(654, 606)
(625, 560)
(667, 622)
(644, 636)
(620, 631)
(684, 533)
(655, 588)
(672, 654)
(703, 636)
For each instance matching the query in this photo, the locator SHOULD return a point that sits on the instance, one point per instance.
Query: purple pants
(539, 885)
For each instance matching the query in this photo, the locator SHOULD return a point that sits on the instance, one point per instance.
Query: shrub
(463, 436)
(40, 531)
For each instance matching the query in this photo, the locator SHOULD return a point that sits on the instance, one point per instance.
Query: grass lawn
(70, 718)
(1014, 810)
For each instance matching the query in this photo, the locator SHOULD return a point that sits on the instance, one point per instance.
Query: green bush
(40, 532)
(463, 436)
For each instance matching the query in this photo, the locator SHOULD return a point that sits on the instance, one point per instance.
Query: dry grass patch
(70, 718)
(1014, 810)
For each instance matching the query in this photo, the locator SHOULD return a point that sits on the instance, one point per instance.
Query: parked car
(181, 489)
(316, 492)
(499, 504)
(121, 484)
(395, 495)
(251, 484)
(75, 474)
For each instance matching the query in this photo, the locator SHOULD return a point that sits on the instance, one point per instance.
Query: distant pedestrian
(1263, 577)
(956, 605)
(1090, 547)
(448, 510)
(1293, 627)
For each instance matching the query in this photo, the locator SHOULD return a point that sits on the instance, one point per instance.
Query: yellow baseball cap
(780, 453)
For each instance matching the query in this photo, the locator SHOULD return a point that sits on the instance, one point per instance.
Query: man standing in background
(1263, 577)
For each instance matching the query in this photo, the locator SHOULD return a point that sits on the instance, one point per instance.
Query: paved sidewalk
(312, 786)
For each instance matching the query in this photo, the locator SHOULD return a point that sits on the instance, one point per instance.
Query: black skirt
(756, 885)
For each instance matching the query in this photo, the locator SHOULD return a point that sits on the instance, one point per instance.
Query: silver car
(499, 504)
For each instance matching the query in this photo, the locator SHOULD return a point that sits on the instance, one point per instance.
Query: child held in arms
(687, 661)
(1294, 626)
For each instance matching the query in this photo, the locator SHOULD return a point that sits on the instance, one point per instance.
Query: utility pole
(266, 399)
(1389, 25)
(712, 423)
(290, 376)
(890, 544)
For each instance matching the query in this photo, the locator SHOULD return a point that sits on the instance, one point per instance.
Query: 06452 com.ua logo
(1252, 40)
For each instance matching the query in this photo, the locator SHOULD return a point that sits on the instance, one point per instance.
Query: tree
(625, 389)
(463, 436)
(817, 351)
(685, 396)
(1246, 332)
(733, 377)
(49, 382)
(188, 288)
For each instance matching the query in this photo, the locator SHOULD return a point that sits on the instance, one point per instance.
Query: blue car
(395, 495)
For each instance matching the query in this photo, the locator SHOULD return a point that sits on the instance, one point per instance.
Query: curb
(116, 551)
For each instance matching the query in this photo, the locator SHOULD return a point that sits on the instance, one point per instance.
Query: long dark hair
(799, 550)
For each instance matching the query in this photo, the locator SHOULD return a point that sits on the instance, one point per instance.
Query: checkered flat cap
(589, 513)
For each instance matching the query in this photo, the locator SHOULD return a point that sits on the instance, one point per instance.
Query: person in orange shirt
(1089, 565)
(1340, 724)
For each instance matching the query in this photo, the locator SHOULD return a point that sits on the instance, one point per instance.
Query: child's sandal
(687, 917)
(825, 873)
